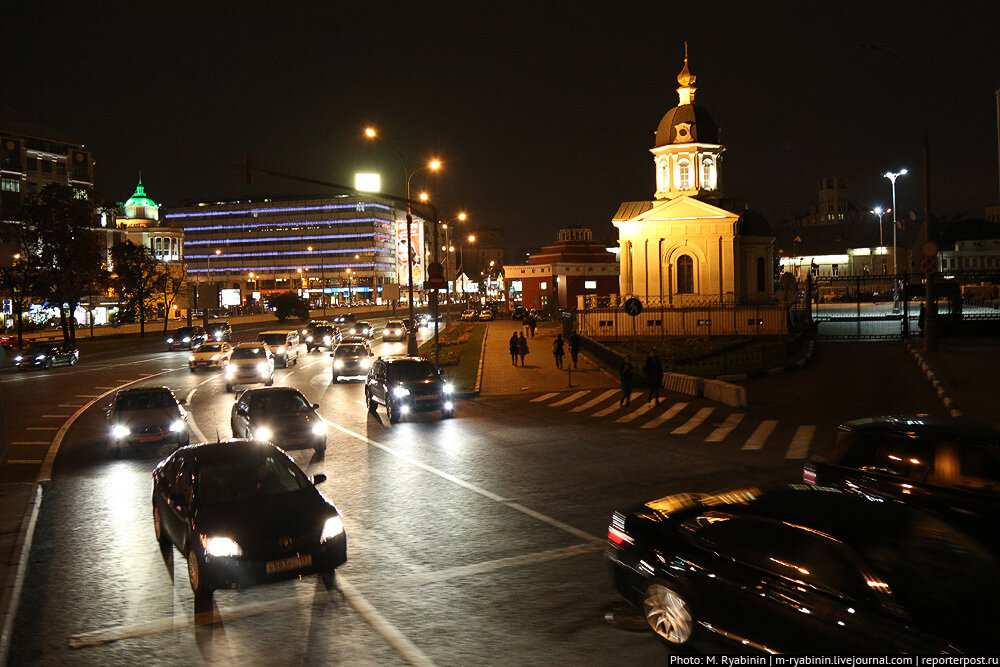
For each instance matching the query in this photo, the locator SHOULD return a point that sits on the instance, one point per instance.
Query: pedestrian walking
(558, 349)
(574, 346)
(526, 323)
(533, 321)
(625, 375)
(512, 344)
(654, 375)
(522, 347)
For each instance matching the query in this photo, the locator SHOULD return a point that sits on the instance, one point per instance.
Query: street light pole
(206, 310)
(892, 176)
(879, 212)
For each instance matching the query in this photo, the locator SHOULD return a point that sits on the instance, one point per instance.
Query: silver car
(351, 360)
(250, 363)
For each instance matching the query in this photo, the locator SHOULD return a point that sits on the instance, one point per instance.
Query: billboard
(230, 297)
(416, 246)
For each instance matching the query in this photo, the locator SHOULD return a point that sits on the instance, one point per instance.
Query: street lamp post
(471, 238)
(879, 212)
(349, 285)
(892, 176)
(207, 310)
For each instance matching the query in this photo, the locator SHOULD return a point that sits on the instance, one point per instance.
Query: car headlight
(353, 331)
(319, 428)
(221, 547)
(326, 339)
(40, 357)
(186, 339)
(191, 358)
(448, 405)
(338, 363)
(281, 350)
(400, 392)
(365, 363)
(216, 357)
(170, 340)
(218, 336)
(309, 338)
(177, 426)
(262, 367)
(263, 434)
(333, 527)
(18, 358)
(120, 431)
(230, 371)
(448, 388)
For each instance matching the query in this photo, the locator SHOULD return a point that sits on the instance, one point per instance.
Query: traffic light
(247, 169)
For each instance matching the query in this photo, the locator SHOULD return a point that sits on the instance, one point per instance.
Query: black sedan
(323, 335)
(47, 355)
(187, 338)
(405, 385)
(805, 569)
(281, 416)
(244, 514)
(351, 360)
(145, 415)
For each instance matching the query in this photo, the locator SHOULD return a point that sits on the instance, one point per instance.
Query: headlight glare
(263, 434)
(400, 392)
(281, 350)
(191, 358)
(230, 371)
(333, 527)
(262, 367)
(319, 428)
(366, 363)
(448, 388)
(186, 339)
(221, 547)
(120, 431)
(40, 357)
(177, 426)
(338, 363)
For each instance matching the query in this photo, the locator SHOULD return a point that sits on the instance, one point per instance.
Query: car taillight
(809, 474)
(618, 537)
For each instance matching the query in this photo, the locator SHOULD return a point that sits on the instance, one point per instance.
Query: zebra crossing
(677, 418)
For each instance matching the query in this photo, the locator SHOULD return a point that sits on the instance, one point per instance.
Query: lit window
(589, 284)
(706, 174)
(685, 275)
(684, 174)
(543, 285)
(10, 184)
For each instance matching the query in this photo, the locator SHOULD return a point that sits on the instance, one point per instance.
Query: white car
(250, 363)
(210, 355)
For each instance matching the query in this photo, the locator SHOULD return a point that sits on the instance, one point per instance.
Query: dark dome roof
(703, 128)
(752, 223)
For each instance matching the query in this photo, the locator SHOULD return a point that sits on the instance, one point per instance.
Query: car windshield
(324, 331)
(412, 370)
(278, 402)
(274, 339)
(350, 351)
(42, 349)
(210, 347)
(257, 477)
(394, 325)
(184, 331)
(146, 400)
(249, 353)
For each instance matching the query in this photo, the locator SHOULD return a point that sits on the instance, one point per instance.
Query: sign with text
(416, 245)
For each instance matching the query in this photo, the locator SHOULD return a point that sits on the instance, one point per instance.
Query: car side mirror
(318, 479)
(315, 406)
(331, 354)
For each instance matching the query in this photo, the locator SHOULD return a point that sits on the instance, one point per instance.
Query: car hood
(246, 362)
(209, 355)
(151, 417)
(281, 420)
(257, 523)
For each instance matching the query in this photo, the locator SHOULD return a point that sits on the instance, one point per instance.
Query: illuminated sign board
(416, 243)
(367, 182)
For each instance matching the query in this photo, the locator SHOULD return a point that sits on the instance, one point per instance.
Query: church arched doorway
(685, 275)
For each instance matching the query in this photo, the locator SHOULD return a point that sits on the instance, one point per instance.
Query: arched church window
(157, 247)
(685, 275)
(706, 174)
(761, 274)
(684, 174)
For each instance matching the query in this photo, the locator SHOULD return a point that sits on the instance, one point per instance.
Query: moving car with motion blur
(351, 360)
(405, 385)
(323, 335)
(345, 319)
(470, 315)
(281, 416)
(394, 330)
(210, 355)
(486, 315)
(47, 355)
(220, 331)
(250, 363)
(363, 329)
(145, 415)
(804, 569)
(284, 345)
(243, 514)
(186, 338)
(950, 467)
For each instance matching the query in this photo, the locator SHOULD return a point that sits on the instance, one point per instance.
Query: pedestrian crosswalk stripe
(694, 422)
(719, 434)
(615, 406)
(760, 434)
(591, 403)
(543, 397)
(570, 399)
(800, 442)
(638, 412)
(668, 414)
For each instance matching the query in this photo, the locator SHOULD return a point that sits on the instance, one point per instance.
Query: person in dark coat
(533, 321)
(625, 375)
(654, 375)
(574, 346)
(522, 347)
(512, 344)
(558, 350)
(526, 323)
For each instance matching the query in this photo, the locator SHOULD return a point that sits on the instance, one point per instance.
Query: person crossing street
(558, 350)
(654, 375)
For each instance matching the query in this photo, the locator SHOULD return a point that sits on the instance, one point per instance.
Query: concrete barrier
(726, 392)
(683, 384)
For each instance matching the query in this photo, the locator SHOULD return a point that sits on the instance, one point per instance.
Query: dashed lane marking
(667, 415)
(591, 403)
(616, 406)
(543, 397)
(760, 434)
(694, 422)
(719, 434)
(570, 398)
(55, 416)
(638, 412)
(799, 446)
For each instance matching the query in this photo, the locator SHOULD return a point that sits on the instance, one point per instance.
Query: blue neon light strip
(262, 239)
(284, 209)
(288, 253)
(291, 269)
(292, 223)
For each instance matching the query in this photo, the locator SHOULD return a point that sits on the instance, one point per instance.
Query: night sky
(543, 113)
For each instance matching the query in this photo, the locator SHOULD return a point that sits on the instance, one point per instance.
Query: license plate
(286, 564)
(201, 363)
(427, 398)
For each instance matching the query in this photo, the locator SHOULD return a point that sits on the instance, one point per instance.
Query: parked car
(220, 331)
(351, 360)
(284, 345)
(145, 415)
(250, 363)
(470, 315)
(950, 467)
(803, 569)
(405, 385)
(10, 342)
(394, 330)
(360, 329)
(186, 338)
(210, 355)
(47, 355)
(486, 315)
(518, 313)
(243, 516)
(324, 335)
(281, 416)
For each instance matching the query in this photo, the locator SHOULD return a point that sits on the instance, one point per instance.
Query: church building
(689, 246)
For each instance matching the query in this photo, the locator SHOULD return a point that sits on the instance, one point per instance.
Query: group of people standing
(653, 369)
(518, 346)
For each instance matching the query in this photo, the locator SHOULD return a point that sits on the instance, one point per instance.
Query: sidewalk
(539, 372)
(968, 369)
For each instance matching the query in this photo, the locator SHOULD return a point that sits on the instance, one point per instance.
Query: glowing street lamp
(879, 212)
(892, 176)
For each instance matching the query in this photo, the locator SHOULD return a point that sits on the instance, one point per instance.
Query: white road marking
(719, 434)
(614, 406)
(403, 646)
(694, 422)
(667, 415)
(55, 416)
(42, 428)
(543, 397)
(799, 446)
(638, 412)
(19, 462)
(499, 564)
(591, 403)
(569, 399)
(760, 434)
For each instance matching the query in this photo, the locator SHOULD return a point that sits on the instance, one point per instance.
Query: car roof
(253, 344)
(278, 331)
(964, 430)
(223, 450)
(144, 390)
(270, 390)
(392, 359)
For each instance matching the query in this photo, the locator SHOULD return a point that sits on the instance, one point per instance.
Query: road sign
(929, 249)
(435, 276)
(633, 306)
(929, 266)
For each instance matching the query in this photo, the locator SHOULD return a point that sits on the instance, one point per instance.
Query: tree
(288, 305)
(138, 279)
(174, 275)
(20, 276)
(59, 223)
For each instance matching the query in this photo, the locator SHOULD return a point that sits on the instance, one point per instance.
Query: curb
(800, 363)
(935, 383)
(15, 579)
(482, 363)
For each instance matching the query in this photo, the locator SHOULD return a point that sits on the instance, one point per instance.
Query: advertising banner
(417, 244)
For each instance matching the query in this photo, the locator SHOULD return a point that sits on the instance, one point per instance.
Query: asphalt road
(472, 540)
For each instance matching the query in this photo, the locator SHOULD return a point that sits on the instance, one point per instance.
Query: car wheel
(269, 382)
(196, 575)
(73, 360)
(329, 579)
(161, 536)
(229, 388)
(668, 612)
(393, 412)
(320, 452)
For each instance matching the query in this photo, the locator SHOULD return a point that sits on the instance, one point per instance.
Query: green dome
(139, 197)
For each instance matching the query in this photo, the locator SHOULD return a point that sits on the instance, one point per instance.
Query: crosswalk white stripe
(615, 406)
(800, 442)
(591, 403)
(543, 397)
(570, 399)
(760, 434)
(638, 412)
(719, 434)
(670, 413)
(694, 422)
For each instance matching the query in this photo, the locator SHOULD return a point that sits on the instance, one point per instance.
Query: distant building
(554, 276)
(488, 247)
(832, 207)
(141, 224)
